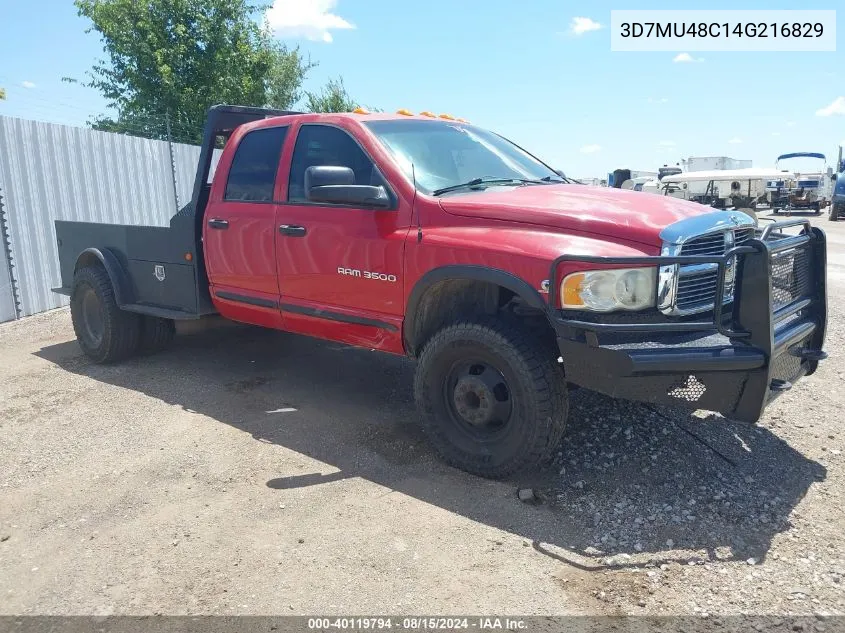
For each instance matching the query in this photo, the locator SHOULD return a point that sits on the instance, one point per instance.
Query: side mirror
(335, 185)
(560, 173)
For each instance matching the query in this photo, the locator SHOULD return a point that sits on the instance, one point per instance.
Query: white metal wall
(56, 172)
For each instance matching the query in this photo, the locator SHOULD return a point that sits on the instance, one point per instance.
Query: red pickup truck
(434, 238)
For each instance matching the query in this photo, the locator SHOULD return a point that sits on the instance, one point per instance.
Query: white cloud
(667, 143)
(837, 107)
(735, 141)
(658, 100)
(27, 84)
(591, 149)
(311, 19)
(775, 133)
(686, 58)
(580, 25)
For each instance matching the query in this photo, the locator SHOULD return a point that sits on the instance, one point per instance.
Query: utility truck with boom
(430, 237)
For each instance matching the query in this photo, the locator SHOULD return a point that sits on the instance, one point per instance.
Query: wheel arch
(117, 275)
(427, 293)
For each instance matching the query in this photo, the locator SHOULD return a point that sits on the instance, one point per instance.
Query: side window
(326, 145)
(252, 175)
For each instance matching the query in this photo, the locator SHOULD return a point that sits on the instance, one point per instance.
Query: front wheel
(492, 399)
(104, 331)
(836, 211)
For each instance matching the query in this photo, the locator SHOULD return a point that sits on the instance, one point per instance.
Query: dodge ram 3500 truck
(431, 237)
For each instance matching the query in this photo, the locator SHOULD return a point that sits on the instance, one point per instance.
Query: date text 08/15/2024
(417, 623)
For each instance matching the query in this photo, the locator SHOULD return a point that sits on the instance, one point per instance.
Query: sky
(539, 72)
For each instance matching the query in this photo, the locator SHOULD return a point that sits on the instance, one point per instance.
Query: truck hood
(618, 214)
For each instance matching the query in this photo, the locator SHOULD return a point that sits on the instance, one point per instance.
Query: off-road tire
(534, 379)
(119, 331)
(156, 334)
(837, 210)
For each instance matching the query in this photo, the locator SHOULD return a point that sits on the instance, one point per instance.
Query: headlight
(608, 290)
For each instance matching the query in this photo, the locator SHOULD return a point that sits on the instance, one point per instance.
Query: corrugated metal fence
(56, 172)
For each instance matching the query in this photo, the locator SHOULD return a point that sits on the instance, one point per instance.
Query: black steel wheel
(92, 316)
(104, 331)
(492, 399)
(478, 398)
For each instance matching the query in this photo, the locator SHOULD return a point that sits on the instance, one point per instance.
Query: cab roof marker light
(404, 112)
(428, 114)
(460, 120)
(360, 110)
(448, 117)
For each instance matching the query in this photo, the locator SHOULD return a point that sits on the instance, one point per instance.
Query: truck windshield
(445, 154)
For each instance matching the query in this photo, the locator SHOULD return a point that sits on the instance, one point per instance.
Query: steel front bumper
(738, 359)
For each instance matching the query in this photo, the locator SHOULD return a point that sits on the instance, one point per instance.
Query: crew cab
(434, 238)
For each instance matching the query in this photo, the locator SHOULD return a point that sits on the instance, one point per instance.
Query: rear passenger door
(240, 229)
(339, 263)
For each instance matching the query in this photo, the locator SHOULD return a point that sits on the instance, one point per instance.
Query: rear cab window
(252, 175)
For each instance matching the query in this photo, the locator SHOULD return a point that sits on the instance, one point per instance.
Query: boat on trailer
(807, 190)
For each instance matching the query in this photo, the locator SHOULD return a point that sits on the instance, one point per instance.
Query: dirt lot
(247, 471)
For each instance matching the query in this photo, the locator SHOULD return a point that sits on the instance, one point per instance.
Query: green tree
(2, 94)
(332, 98)
(175, 58)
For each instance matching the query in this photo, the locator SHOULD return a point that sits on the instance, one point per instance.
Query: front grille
(696, 287)
(714, 243)
(696, 292)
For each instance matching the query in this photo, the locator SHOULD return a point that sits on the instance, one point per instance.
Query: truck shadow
(630, 484)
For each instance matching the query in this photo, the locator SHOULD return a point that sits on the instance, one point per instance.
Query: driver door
(340, 266)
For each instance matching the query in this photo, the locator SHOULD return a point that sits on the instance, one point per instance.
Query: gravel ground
(248, 471)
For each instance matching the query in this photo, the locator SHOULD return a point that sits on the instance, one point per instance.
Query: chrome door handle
(292, 230)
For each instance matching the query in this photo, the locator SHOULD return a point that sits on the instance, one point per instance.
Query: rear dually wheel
(104, 331)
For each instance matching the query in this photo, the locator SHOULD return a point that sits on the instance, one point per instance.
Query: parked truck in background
(431, 237)
(837, 199)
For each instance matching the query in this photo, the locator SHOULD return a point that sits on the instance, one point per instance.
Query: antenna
(416, 210)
